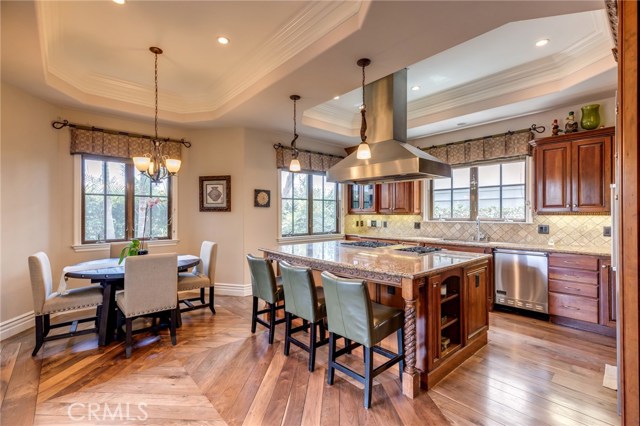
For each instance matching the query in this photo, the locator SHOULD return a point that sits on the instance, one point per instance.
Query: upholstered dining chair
(116, 248)
(150, 287)
(47, 302)
(303, 300)
(264, 286)
(201, 277)
(352, 314)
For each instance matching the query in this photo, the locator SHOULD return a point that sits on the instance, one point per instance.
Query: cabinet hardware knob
(604, 266)
(568, 205)
(575, 205)
(571, 307)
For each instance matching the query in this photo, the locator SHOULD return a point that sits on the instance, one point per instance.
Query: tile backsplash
(563, 230)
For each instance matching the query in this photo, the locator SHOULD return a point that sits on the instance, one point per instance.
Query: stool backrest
(263, 279)
(41, 280)
(150, 283)
(300, 295)
(349, 310)
(208, 256)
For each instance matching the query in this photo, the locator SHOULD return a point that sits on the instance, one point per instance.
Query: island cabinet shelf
(413, 283)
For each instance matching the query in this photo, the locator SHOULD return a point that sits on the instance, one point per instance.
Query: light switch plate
(606, 231)
(543, 229)
(416, 225)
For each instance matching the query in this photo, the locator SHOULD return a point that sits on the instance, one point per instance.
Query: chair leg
(287, 333)
(211, 305)
(172, 326)
(129, 337)
(401, 351)
(305, 323)
(39, 334)
(323, 330)
(254, 314)
(47, 324)
(332, 358)
(312, 347)
(368, 375)
(202, 295)
(272, 322)
(347, 343)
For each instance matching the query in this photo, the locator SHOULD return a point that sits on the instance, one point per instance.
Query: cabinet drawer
(574, 261)
(574, 275)
(578, 289)
(576, 307)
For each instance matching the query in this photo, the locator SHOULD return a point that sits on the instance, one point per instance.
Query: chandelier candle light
(364, 153)
(294, 166)
(155, 165)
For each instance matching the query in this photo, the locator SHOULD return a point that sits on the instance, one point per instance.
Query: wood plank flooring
(530, 373)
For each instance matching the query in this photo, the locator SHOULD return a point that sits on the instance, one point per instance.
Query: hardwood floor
(531, 373)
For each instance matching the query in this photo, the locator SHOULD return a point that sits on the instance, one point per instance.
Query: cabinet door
(553, 177)
(385, 198)
(607, 294)
(403, 197)
(368, 198)
(354, 198)
(591, 175)
(433, 347)
(417, 197)
(476, 318)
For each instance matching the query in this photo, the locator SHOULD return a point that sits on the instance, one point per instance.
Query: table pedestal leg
(108, 314)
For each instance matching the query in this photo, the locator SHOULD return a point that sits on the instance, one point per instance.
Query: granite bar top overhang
(371, 263)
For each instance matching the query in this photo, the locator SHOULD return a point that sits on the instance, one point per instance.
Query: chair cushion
(75, 298)
(120, 301)
(386, 320)
(192, 281)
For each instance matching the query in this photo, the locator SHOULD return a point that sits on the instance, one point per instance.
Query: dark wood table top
(117, 272)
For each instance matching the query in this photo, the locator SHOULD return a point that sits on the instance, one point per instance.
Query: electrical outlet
(357, 223)
(374, 223)
(543, 229)
(362, 223)
(416, 225)
(606, 231)
(384, 223)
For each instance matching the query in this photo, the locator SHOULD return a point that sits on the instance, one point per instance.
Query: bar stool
(352, 315)
(303, 300)
(264, 286)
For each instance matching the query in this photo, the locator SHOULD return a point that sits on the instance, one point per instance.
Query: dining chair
(306, 301)
(201, 277)
(150, 287)
(116, 248)
(47, 302)
(352, 314)
(264, 286)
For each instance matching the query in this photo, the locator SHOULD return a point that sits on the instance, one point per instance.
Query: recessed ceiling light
(336, 97)
(119, 1)
(542, 42)
(415, 88)
(223, 40)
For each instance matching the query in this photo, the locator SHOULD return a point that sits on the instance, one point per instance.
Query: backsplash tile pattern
(563, 230)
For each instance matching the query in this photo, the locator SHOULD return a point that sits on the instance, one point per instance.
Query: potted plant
(136, 247)
(130, 250)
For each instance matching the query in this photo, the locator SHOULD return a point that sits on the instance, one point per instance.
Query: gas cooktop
(368, 244)
(419, 249)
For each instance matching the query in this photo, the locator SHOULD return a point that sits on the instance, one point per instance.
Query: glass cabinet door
(355, 197)
(368, 199)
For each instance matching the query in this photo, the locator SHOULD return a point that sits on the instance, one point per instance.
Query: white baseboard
(227, 289)
(16, 325)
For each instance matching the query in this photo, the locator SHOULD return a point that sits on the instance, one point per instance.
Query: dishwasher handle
(522, 253)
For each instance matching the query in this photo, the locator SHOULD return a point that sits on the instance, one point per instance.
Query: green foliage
(129, 250)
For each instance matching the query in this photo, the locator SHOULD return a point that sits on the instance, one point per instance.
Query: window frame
(129, 202)
(474, 198)
(310, 234)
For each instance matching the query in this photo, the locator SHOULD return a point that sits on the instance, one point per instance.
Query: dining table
(110, 275)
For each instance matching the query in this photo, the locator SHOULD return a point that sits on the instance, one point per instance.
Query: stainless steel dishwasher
(521, 279)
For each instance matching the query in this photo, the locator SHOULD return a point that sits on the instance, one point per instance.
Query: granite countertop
(571, 249)
(382, 260)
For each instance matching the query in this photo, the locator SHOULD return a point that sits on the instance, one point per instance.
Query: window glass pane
(317, 187)
(140, 220)
(317, 217)
(330, 192)
(330, 216)
(300, 217)
(94, 218)
(489, 202)
(355, 196)
(286, 182)
(513, 202)
(441, 210)
(159, 219)
(513, 173)
(161, 189)
(115, 225)
(369, 193)
(287, 217)
(116, 179)
(142, 184)
(93, 177)
(443, 183)
(461, 177)
(300, 185)
(489, 175)
(461, 203)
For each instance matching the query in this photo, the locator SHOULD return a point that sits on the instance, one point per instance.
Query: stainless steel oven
(521, 279)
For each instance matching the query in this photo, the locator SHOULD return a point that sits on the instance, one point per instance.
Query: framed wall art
(261, 198)
(215, 193)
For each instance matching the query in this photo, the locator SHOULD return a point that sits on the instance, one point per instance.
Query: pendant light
(294, 166)
(155, 165)
(364, 153)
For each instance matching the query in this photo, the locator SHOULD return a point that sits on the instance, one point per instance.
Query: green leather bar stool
(352, 315)
(264, 286)
(306, 301)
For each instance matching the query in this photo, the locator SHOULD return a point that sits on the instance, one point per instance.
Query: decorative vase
(143, 252)
(590, 117)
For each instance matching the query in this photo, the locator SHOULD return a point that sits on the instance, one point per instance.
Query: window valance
(310, 162)
(504, 146)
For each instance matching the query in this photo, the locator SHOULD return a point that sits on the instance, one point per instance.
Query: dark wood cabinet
(608, 296)
(400, 197)
(574, 172)
(362, 198)
(476, 313)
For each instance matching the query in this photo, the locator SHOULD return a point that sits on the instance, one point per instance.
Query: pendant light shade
(364, 153)
(294, 166)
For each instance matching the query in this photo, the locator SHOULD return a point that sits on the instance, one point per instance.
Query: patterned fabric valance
(95, 142)
(509, 145)
(315, 162)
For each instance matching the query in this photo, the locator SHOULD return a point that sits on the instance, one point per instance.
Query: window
(309, 204)
(119, 203)
(493, 191)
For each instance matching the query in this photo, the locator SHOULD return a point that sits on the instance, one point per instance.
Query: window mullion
(309, 204)
(129, 190)
(473, 193)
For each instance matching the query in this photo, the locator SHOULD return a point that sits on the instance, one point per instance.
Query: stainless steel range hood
(392, 159)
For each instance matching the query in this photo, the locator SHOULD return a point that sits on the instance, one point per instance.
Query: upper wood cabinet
(400, 197)
(573, 172)
(362, 198)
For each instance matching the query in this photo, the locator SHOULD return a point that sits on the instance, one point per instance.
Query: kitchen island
(443, 294)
